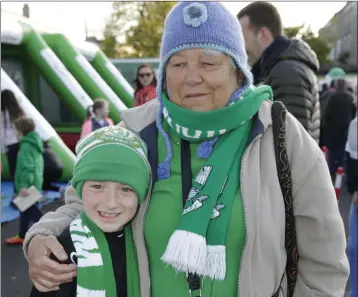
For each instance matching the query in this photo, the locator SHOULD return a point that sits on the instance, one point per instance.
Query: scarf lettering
(216, 210)
(185, 132)
(198, 203)
(203, 175)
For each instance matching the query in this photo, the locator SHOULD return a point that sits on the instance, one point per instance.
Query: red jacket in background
(144, 95)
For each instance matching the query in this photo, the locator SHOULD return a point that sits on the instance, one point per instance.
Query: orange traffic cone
(338, 181)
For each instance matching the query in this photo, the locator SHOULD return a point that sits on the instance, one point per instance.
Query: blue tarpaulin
(9, 213)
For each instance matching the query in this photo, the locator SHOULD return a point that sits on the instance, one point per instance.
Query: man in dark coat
(289, 66)
(339, 113)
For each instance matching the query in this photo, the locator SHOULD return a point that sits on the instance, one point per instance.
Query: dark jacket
(323, 100)
(289, 66)
(339, 113)
(30, 162)
(53, 165)
(116, 244)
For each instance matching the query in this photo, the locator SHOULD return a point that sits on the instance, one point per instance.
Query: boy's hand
(24, 192)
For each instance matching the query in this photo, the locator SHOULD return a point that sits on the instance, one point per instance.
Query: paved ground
(14, 269)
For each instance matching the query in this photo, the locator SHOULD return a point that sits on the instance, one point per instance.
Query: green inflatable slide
(44, 129)
(64, 84)
(75, 83)
(84, 73)
(108, 71)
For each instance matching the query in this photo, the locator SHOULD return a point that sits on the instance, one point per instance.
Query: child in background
(97, 117)
(10, 111)
(100, 238)
(29, 172)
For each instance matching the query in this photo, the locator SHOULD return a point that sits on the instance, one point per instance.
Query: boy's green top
(30, 162)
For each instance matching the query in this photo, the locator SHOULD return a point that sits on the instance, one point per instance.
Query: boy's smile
(108, 216)
(110, 205)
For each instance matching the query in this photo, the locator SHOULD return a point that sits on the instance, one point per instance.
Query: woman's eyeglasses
(144, 74)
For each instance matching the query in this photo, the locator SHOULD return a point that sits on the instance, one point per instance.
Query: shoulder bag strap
(278, 114)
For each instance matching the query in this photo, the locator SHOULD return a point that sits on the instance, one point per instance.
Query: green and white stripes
(95, 275)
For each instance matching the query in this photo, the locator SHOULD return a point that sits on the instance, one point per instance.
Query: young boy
(29, 172)
(111, 176)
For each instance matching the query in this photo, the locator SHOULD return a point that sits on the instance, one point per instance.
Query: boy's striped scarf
(95, 276)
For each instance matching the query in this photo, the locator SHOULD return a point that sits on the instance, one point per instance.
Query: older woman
(215, 220)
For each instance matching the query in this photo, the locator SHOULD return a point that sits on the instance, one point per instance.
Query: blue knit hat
(207, 25)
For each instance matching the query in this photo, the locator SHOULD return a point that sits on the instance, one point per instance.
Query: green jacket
(30, 162)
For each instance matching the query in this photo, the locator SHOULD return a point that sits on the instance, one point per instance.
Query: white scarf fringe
(215, 265)
(186, 252)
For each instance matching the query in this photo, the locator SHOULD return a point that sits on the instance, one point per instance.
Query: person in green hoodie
(100, 240)
(29, 172)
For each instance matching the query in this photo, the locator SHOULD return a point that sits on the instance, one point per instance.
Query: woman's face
(145, 76)
(110, 205)
(198, 79)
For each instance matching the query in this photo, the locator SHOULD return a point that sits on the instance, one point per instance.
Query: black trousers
(32, 214)
(11, 156)
(51, 176)
(53, 170)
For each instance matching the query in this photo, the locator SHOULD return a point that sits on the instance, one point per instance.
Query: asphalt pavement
(14, 269)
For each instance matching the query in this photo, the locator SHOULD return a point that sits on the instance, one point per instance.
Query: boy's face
(110, 205)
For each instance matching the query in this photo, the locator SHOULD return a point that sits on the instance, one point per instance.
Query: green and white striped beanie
(112, 154)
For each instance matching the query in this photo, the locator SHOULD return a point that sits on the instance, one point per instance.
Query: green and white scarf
(95, 275)
(198, 243)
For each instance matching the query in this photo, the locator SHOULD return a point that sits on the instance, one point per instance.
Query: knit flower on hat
(195, 14)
